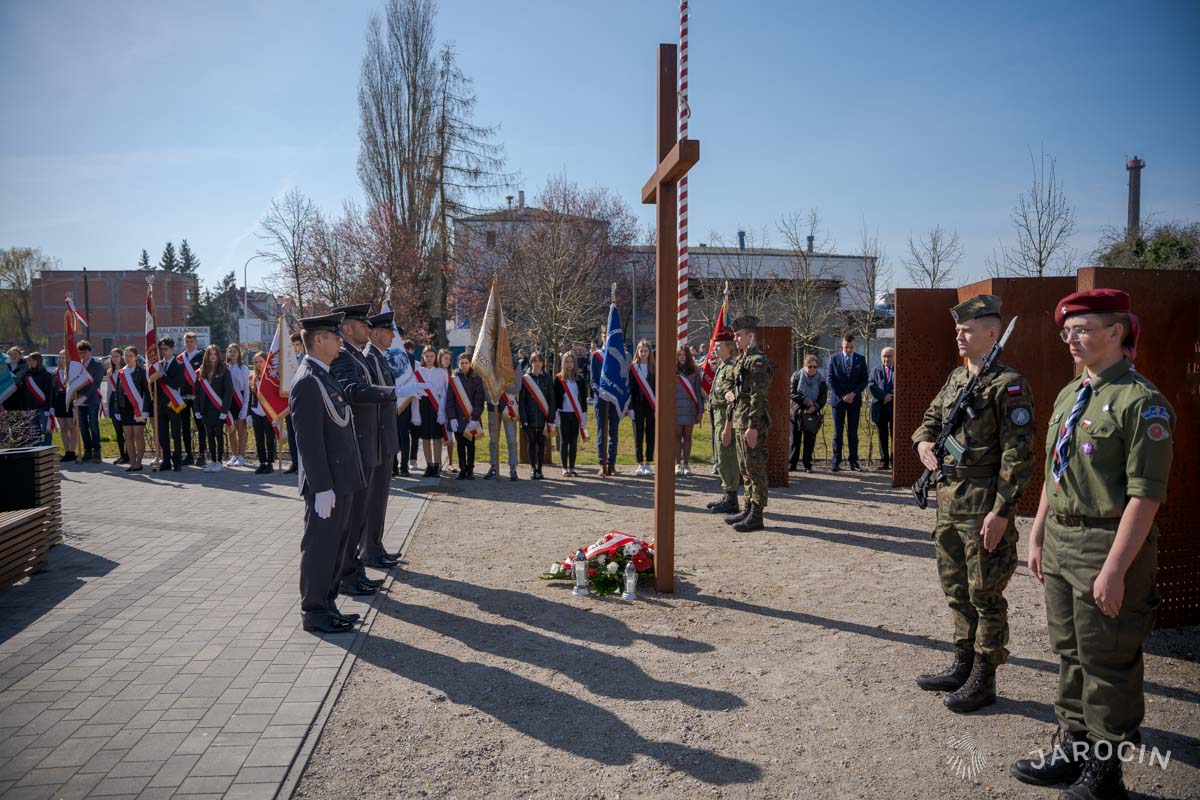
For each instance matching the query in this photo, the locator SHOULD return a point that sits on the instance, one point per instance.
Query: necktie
(1067, 432)
(887, 374)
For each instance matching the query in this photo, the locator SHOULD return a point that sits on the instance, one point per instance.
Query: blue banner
(614, 371)
(7, 385)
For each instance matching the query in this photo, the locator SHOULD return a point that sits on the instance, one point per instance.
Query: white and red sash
(687, 387)
(464, 405)
(174, 397)
(215, 399)
(188, 371)
(644, 385)
(510, 405)
(62, 385)
(569, 391)
(51, 420)
(432, 401)
(35, 390)
(132, 394)
(529, 383)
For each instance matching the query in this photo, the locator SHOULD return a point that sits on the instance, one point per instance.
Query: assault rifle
(962, 410)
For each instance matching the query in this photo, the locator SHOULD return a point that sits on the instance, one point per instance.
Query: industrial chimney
(810, 245)
(741, 240)
(521, 199)
(1134, 223)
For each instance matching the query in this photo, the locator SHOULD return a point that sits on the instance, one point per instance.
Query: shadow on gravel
(557, 719)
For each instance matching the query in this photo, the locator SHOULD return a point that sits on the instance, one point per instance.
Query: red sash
(644, 385)
(51, 421)
(464, 404)
(58, 380)
(35, 390)
(687, 387)
(131, 394)
(432, 400)
(574, 401)
(188, 372)
(214, 399)
(539, 398)
(510, 405)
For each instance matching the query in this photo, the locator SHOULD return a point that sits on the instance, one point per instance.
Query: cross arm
(683, 156)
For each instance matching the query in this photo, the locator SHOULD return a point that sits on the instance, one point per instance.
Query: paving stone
(205, 784)
(120, 786)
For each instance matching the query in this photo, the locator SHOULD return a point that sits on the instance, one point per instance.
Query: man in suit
(371, 548)
(193, 355)
(367, 400)
(882, 397)
(847, 380)
(330, 474)
(168, 424)
(89, 409)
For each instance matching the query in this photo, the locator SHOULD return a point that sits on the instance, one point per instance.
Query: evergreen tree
(188, 263)
(144, 262)
(169, 262)
(218, 308)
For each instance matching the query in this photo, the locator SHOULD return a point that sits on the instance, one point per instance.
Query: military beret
(381, 320)
(358, 312)
(328, 322)
(981, 305)
(745, 323)
(723, 336)
(1093, 301)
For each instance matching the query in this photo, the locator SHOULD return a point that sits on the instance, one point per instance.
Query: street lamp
(246, 284)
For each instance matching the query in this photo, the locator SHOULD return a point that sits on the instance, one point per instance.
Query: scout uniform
(371, 544)
(996, 465)
(727, 460)
(1109, 439)
(327, 453)
(752, 372)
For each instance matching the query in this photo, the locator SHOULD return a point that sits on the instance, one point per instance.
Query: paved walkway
(165, 657)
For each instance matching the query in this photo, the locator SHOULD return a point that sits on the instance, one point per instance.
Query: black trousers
(264, 439)
(810, 443)
(185, 422)
(568, 440)
(349, 563)
(409, 444)
(643, 438)
(845, 419)
(885, 435)
(370, 546)
(216, 441)
(536, 437)
(291, 437)
(466, 451)
(170, 430)
(319, 557)
(797, 440)
(120, 430)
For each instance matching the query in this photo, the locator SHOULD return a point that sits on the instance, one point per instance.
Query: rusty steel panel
(1168, 304)
(925, 354)
(1034, 352)
(776, 343)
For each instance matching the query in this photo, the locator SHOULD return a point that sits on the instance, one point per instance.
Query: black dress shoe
(329, 625)
(380, 563)
(358, 589)
(404, 473)
(177, 468)
(292, 470)
(351, 618)
(808, 469)
(187, 461)
(372, 582)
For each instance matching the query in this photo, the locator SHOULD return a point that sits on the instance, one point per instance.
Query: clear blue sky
(128, 124)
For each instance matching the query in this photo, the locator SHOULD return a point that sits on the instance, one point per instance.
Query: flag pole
(153, 387)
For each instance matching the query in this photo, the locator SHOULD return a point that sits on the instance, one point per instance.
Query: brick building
(114, 302)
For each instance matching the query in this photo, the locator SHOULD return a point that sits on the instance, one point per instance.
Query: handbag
(811, 423)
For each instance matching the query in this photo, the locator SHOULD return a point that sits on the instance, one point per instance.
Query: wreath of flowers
(606, 560)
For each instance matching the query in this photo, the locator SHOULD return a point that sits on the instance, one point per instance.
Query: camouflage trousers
(752, 463)
(727, 463)
(974, 581)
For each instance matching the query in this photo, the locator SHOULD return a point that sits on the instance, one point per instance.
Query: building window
(491, 239)
(187, 293)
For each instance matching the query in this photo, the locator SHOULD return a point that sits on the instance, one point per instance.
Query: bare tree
(870, 280)
(809, 294)
(18, 266)
(933, 258)
(1045, 222)
(752, 284)
(287, 230)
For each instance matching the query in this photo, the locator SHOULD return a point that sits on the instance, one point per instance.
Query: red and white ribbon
(644, 386)
(132, 394)
(189, 372)
(35, 390)
(215, 399)
(464, 405)
(529, 383)
(684, 113)
(75, 312)
(570, 392)
(433, 401)
(510, 405)
(691, 393)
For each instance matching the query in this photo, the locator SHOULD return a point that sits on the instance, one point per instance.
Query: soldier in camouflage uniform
(1094, 544)
(976, 536)
(748, 422)
(727, 461)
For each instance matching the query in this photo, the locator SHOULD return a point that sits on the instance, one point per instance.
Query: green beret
(981, 305)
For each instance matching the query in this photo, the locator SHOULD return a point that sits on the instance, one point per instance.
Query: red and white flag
(151, 334)
(272, 389)
(77, 375)
(710, 366)
(75, 312)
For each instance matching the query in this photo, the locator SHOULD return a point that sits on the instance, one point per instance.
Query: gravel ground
(782, 666)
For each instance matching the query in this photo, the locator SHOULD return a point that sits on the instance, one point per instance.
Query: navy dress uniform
(328, 462)
(353, 371)
(388, 442)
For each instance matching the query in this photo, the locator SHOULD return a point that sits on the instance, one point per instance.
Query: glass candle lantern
(580, 568)
(631, 577)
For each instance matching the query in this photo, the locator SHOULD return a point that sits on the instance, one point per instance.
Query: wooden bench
(24, 543)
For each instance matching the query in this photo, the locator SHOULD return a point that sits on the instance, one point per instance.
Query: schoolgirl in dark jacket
(536, 406)
(214, 396)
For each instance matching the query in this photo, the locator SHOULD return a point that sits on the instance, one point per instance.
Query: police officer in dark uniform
(353, 371)
(330, 474)
(388, 443)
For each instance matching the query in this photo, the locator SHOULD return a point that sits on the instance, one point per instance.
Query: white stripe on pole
(684, 113)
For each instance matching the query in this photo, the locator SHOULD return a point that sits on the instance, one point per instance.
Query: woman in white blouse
(429, 414)
(239, 375)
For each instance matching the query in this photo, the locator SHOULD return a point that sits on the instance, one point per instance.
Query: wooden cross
(675, 158)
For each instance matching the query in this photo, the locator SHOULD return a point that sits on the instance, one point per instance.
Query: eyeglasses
(1077, 331)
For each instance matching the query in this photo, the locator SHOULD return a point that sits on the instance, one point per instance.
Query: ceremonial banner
(398, 360)
(281, 370)
(614, 371)
(7, 384)
(151, 351)
(75, 312)
(493, 351)
(77, 376)
(710, 365)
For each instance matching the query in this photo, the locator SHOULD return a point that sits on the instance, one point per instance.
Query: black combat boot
(977, 692)
(726, 505)
(1100, 779)
(753, 521)
(953, 677)
(1059, 767)
(738, 516)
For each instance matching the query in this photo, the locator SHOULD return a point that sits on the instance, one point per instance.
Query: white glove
(441, 418)
(323, 503)
(454, 426)
(198, 416)
(583, 423)
(558, 417)
(222, 417)
(631, 413)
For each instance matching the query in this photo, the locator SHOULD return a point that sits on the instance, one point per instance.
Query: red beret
(724, 336)
(1093, 301)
